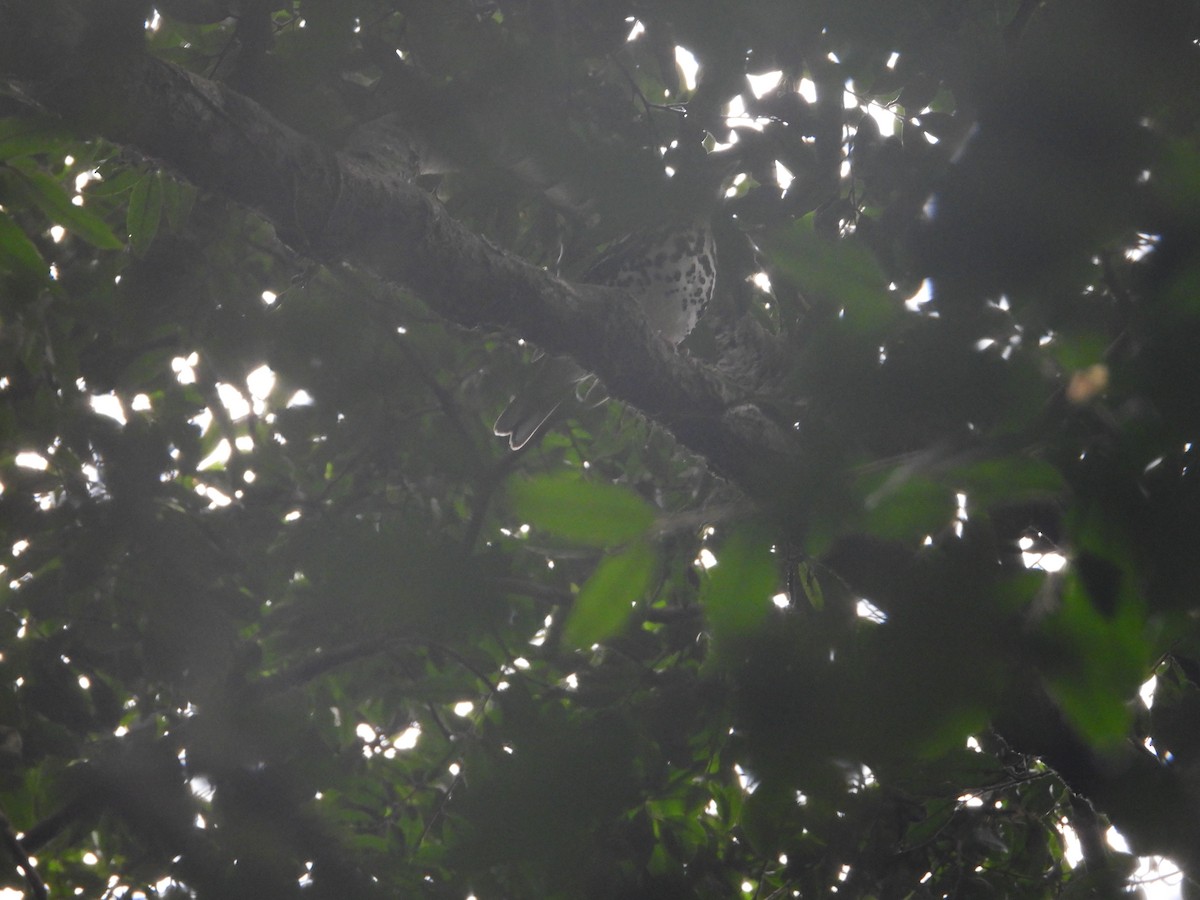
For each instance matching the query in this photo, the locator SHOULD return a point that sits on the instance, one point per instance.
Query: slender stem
(37, 887)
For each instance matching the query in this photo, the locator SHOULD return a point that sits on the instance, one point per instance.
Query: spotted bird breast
(671, 271)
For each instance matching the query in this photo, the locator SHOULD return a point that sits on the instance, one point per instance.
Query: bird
(671, 270)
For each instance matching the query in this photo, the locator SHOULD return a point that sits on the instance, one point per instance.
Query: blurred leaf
(1179, 183)
(609, 597)
(586, 512)
(1005, 480)
(178, 200)
(811, 585)
(736, 593)
(27, 136)
(144, 212)
(1096, 663)
(765, 815)
(842, 272)
(19, 256)
(1079, 351)
(907, 506)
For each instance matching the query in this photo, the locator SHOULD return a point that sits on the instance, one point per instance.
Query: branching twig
(320, 663)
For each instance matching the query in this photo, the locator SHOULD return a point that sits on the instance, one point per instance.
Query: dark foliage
(281, 617)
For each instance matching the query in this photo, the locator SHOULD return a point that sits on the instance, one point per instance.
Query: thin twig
(321, 662)
(37, 887)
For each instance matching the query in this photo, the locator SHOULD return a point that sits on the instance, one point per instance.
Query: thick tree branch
(344, 207)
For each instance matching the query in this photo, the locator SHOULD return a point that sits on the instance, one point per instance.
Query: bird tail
(537, 401)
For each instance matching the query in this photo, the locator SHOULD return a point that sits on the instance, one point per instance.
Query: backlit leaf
(608, 598)
(586, 512)
(736, 594)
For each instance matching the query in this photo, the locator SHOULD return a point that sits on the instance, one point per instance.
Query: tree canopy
(883, 585)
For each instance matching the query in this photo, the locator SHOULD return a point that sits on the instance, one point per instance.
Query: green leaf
(1178, 181)
(905, 506)
(1078, 351)
(765, 816)
(178, 199)
(586, 512)
(736, 595)
(841, 271)
(26, 136)
(18, 255)
(1006, 479)
(811, 586)
(145, 210)
(608, 598)
(48, 195)
(113, 185)
(1095, 663)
